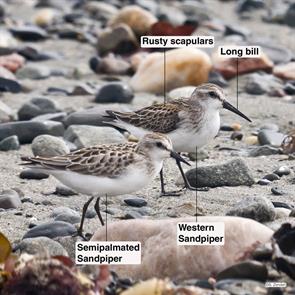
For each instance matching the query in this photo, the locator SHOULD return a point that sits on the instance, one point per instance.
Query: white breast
(186, 140)
(133, 180)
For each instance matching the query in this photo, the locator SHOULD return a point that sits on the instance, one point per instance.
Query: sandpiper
(108, 169)
(190, 122)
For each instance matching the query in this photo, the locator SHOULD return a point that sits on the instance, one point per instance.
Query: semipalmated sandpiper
(108, 169)
(190, 122)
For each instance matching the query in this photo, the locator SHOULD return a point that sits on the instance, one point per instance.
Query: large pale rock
(184, 66)
(286, 71)
(161, 257)
(137, 18)
(228, 66)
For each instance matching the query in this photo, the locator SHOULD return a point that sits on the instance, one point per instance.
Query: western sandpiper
(190, 122)
(108, 169)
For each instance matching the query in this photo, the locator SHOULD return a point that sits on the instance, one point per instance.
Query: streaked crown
(154, 141)
(208, 91)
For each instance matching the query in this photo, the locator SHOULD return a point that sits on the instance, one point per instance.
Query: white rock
(184, 66)
(161, 257)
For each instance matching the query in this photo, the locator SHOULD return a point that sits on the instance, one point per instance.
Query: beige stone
(44, 17)
(251, 140)
(161, 257)
(184, 66)
(286, 71)
(137, 18)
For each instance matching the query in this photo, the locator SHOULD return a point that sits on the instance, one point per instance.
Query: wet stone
(9, 199)
(9, 85)
(263, 182)
(277, 191)
(271, 177)
(258, 208)
(41, 245)
(51, 230)
(283, 170)
(9, 143)
(26, 131)
(29, 33)
(114, 93)
(135, 202)
(35, 107)
(32, 174)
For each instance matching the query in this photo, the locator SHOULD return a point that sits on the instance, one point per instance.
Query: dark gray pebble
(64, 191)
(135, 202)
(132, 215)
(32, 174)
(9, 143)
(236, 135)
(263, 182)
(29, 33)
(114, 93)
(277, 191)
(271, 177)
(51, 230)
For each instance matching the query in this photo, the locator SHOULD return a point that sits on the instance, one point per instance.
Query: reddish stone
(12, 62)
(228, 66)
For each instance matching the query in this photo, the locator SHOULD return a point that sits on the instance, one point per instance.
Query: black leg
(186, 182)
(85, 207)
(163, 192)
(97, 209)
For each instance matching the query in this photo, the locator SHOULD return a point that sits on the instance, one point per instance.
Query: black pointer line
(196, 184)
(106, 218)
(237, 83)
(164, 75)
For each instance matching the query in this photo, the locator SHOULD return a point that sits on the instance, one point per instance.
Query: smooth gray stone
(51, 230)
(33, 72)
(35, 107)
(114, 92)
(62, 190)
(70, 218)
(283, 170)
(41, 246)
(269, 137)
(47, 146)
(94, 116)
(232, 173)
(258, 84)
(29, 33)
(9, 199)
(271, 177)
(258, 208)
(9, 143)
(26, 131)
(265, 150)
(60, 116)
(6, 113)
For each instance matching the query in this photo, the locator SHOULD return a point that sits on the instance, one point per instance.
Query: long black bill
(231, 108)
(178, 158)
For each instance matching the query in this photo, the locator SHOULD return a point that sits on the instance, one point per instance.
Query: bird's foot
(80, 234)
(171, 193)
(198, 189)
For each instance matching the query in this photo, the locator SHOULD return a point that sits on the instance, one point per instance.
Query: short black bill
(231, 108)
(178, 158)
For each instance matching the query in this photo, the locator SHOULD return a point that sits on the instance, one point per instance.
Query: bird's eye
(159, 145)
(212, 94)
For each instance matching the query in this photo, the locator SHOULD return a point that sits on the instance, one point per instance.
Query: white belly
(132, 181)
(185, 141)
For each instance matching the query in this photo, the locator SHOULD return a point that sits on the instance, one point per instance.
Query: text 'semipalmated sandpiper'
(190, 122)
(108, 169)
